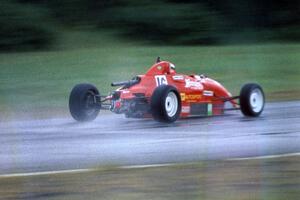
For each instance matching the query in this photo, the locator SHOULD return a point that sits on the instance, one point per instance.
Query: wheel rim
(89, 103)
(256, 100)
(171, 104)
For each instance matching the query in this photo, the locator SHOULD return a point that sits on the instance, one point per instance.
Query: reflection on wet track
(57, 144)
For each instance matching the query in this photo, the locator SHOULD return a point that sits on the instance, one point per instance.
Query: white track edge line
(265, 157)
(146, 166)
(134, 166)
(78, 170)
(45, 173)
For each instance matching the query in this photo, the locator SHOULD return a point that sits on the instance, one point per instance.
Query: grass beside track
(276, 178)
(39, 81)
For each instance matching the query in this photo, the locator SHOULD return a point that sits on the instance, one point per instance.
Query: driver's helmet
(172, 66)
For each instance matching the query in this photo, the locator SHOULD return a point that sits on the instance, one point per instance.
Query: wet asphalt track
(60, 144)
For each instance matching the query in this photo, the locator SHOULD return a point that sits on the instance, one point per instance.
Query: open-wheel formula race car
(165, 95)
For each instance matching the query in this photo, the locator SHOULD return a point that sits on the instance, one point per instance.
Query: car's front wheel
(165, 104)
(84, 102)
(252, 100)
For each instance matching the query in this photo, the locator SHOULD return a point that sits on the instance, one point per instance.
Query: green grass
(41, 81)
(268, 179)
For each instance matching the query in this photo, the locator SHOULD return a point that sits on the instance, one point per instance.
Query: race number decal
(161, 80)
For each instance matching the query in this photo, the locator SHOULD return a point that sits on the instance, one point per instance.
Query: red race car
(165, 95)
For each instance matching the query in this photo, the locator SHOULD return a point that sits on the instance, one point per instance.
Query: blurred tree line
(33, 24)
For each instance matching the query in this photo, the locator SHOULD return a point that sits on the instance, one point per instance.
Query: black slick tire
(252, 100)
(165, 104)
(84, 102)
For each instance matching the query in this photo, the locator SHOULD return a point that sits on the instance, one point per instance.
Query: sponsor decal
(208, 93)
(193, 84)
(161, 80)
(190, 97)
(177, 77)
(185, 109)
(209, 109)
(193, 96)
(182, 96)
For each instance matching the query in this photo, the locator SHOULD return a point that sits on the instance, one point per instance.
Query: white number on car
(161, 80)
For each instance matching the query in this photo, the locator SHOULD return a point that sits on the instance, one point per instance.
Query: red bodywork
(200, 96)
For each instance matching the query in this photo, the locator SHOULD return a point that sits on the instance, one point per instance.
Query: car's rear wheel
(84, 102)
(252, 100)
(165, 104)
